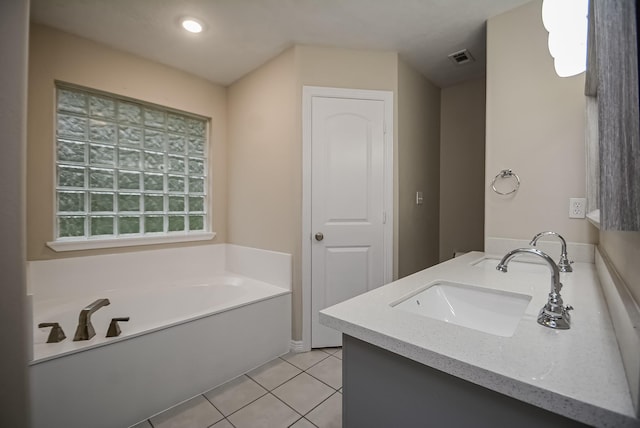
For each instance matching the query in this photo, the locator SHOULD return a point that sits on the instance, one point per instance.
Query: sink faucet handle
(563, 264)
(56, 334)
(114, 328)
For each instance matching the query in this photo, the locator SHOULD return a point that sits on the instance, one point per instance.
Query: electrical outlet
(577, 207)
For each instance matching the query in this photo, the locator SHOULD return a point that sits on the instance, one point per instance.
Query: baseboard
(296, 346)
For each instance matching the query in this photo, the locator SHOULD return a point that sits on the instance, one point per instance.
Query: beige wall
(264, 158)
(257, 173)
(355, 69)
(340, 68)
(535, 126)
(14, 336)
(55, 55)
(418, 170)
(265, 144)
(264, 165)
(347, 68)
(462, 150)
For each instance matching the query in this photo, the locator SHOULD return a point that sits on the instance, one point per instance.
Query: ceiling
(241, 35)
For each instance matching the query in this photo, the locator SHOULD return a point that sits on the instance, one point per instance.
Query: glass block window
(125, 168)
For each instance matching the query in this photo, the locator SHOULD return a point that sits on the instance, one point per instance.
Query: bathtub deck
(65, 311)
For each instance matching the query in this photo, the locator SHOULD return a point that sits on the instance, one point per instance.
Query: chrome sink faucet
(564, 264)
(553, 314)
(85, 330)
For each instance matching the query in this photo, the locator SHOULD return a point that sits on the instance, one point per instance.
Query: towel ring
(506, 173)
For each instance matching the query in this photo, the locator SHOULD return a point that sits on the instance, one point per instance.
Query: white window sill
(594, 218)
(93, 244)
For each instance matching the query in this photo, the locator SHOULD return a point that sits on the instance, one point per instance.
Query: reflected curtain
(613, 114)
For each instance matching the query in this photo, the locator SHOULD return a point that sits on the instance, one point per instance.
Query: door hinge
(384, 127)
(384, 217)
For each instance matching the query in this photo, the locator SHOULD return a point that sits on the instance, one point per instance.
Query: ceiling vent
(461, 57)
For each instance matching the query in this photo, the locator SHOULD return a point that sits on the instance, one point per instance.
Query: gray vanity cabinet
(382, 389)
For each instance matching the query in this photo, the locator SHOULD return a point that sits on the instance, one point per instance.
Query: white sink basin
(522, 265)
(490, 311)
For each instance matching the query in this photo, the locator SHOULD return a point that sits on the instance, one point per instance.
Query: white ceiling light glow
(566, 22)
(192, 25)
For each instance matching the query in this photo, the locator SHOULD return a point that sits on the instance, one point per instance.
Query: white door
(347, 204)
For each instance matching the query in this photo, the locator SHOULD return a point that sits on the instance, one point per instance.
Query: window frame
(141, 237)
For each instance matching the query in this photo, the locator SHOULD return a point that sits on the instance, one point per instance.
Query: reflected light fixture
(566, 21)
(191, 25)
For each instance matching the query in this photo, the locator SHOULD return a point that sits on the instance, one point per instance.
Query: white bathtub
(150, 309)
(180, 341)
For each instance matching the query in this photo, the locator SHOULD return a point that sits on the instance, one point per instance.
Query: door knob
(319, 236)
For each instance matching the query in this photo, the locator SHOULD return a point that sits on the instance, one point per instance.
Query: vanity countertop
(577, 373)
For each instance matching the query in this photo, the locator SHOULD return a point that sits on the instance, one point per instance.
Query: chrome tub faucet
(564, 264)
(85, 330)
(553, 314)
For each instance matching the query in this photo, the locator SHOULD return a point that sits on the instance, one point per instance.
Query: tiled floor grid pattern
(297, 390)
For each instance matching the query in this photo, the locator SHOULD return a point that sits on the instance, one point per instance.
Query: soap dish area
(483, 309)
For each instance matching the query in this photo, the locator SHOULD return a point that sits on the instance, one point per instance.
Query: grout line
(269, 391)
(323, 382)
(305, 420)
(311, 422)
(214, 406)
(330, 386)
(287, 381)
(295, 411)
(225, 419)
(297, 420)
(334, 391)
(319, 404)
(318, 362)
(280, 384)
(266, 391)
(210, 402)
(248, 404)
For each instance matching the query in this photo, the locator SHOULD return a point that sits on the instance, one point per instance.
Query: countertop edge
(537, 396)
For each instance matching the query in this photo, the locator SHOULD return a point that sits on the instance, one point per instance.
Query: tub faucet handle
(114, 328)
(56, 334)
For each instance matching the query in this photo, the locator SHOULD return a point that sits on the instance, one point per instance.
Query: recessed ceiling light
(192, 25)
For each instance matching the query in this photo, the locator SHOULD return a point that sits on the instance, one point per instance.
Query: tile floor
(297, 390)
